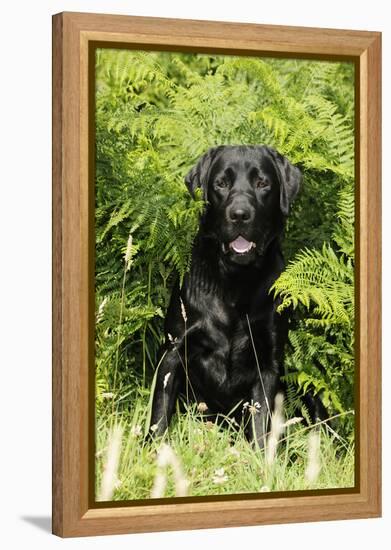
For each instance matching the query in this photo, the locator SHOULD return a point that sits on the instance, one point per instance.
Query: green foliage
(156, 113)
(319, 283)
(217, 461)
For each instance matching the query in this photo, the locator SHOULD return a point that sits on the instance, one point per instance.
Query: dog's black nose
(239, 214)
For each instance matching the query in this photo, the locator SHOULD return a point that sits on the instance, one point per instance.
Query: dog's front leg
(261, 407)
(168, 381)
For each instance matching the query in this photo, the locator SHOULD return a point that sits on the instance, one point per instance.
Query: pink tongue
(240, 245)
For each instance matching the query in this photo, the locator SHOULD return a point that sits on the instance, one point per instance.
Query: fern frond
(156, 113)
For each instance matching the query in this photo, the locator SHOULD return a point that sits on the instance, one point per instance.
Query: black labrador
(224, 338)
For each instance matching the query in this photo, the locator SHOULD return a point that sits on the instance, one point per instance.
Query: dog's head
(248, 191)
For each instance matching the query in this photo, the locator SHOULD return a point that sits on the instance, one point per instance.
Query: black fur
(225, 301)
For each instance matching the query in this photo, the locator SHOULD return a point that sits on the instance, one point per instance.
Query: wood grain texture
(370, 403)
(57, 462)
(212, 34)
(72, 340)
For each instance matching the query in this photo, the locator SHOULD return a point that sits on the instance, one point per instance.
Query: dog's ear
(197, 178)
(290, 178)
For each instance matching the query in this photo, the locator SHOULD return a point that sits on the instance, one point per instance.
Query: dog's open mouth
(241, 245)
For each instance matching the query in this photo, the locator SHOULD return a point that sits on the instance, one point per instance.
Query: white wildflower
(108, 395)
(219, 476)
(245, 406)
(252, 408)
(136, 430)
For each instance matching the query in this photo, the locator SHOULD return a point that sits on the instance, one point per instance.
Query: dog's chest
(239, 340)
(230, 359)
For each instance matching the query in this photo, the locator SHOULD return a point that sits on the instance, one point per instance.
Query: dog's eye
(221, 184)
(262, 183)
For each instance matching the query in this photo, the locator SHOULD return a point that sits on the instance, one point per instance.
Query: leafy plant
(156, 113)
(319, 283)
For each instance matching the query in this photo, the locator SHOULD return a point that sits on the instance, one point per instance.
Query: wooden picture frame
(74, 36)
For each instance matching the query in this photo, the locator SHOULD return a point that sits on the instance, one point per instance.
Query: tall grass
(142, 206)
(206, 459)
(215, 460)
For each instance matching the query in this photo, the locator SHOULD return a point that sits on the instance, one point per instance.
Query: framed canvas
(198, 380)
